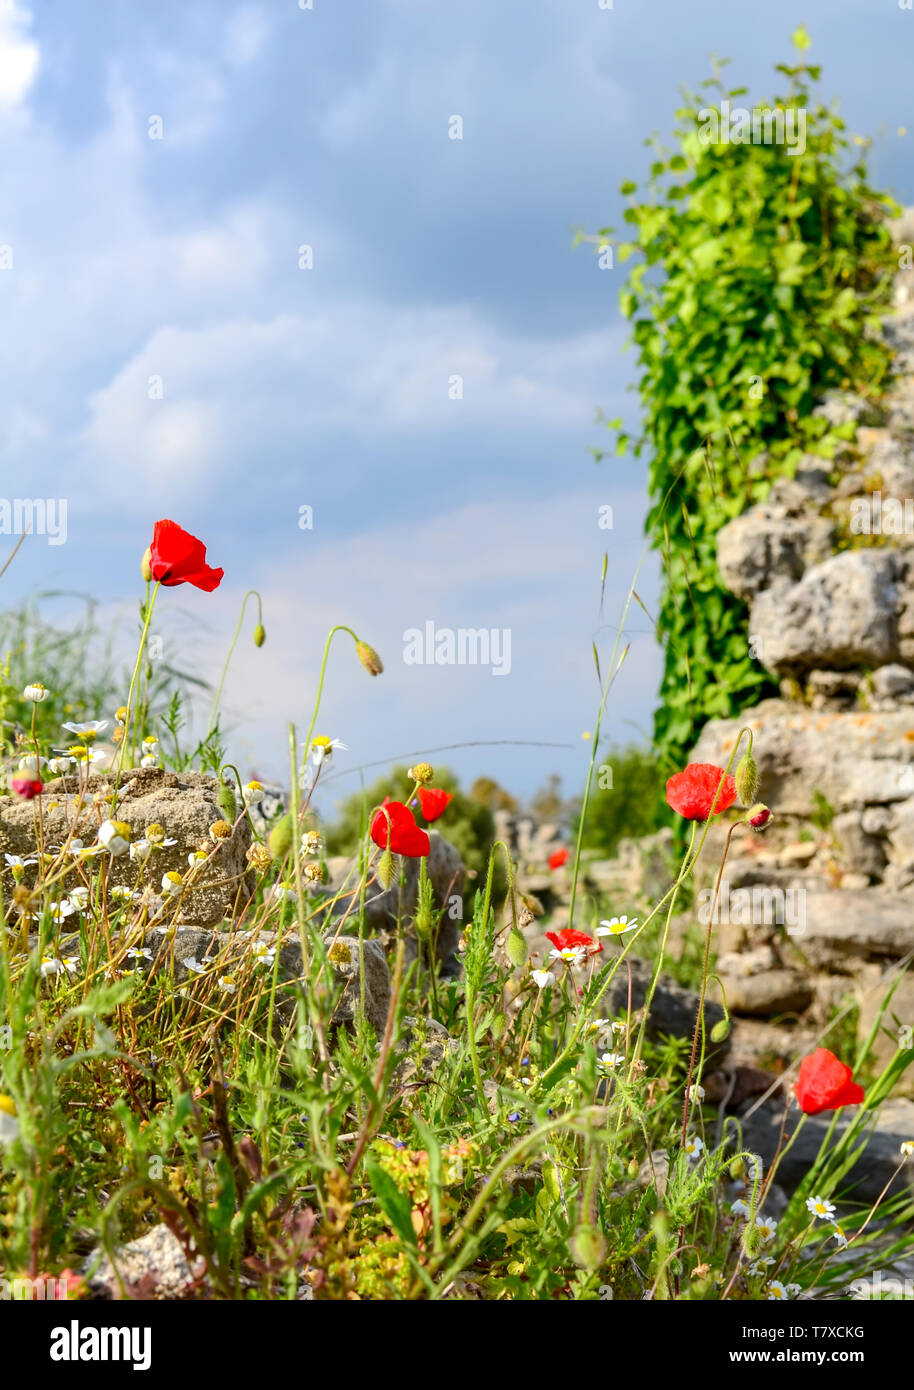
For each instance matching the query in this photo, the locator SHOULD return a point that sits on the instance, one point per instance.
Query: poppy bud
(369, 658)
(146, 564)
(588, 1247)
(226, 802)
(387, 869)
(759, 816)
(720, 1030)
(516, 947)
(746, 779)
(280, 838)
(260, 635)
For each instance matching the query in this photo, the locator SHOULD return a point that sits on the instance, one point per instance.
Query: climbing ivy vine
(760, 276)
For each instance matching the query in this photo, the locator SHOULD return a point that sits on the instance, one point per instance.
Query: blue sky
(178, 258)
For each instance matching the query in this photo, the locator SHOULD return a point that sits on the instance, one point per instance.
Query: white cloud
(238, 390)
(19, 55)
(246, 35)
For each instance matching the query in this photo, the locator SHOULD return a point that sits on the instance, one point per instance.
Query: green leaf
(395, 1204)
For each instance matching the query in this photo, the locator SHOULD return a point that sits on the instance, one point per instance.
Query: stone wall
(826, 565)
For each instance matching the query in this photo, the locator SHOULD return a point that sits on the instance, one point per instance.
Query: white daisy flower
(820, 1207)
(766, 1228)
(696, 1093)
(14, 862)
(227, 983)
(138, 953)
(253, 793)
(283, 892)
(611, 1060)
(60, 765)
(51, 965)
(115, 836)
(542, 978)
(36, 692)
(775, 1291)
(569, 954)
(172, 883)
(906, 1150)
(193, 965)
(615, 926)
(693, 1147)
(88, 731)
(839, 1237)
(322, 748)
(262, 953)
(740, 1208)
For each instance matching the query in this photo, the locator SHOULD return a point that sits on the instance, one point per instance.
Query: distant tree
(627, 799)
(489, 793)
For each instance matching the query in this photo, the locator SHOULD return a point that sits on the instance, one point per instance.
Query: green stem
(244, 603)
(150, 605)
(340, 627)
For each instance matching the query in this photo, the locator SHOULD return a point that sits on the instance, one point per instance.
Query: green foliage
(759, 278)
(466, 823)
(633, 806)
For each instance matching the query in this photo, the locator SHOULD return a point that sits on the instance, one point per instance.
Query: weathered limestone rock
(895, 1124)
(222, 954)
(185, 805)
(854, 760)
(765, 544)
(768, 992)
(842, 613)
(154, 1266)
(866, 924)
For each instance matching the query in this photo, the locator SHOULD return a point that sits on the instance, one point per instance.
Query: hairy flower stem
(125, 742)
(699, 1017)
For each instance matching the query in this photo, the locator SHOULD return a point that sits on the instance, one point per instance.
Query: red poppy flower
(558, 858)
(692, 793)
(406, 837)
(567, 938)
(433, 801)
(177, 557)
(824, 1083)
(27, 787)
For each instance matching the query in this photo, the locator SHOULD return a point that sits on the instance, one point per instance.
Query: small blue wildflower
(514, 1116)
